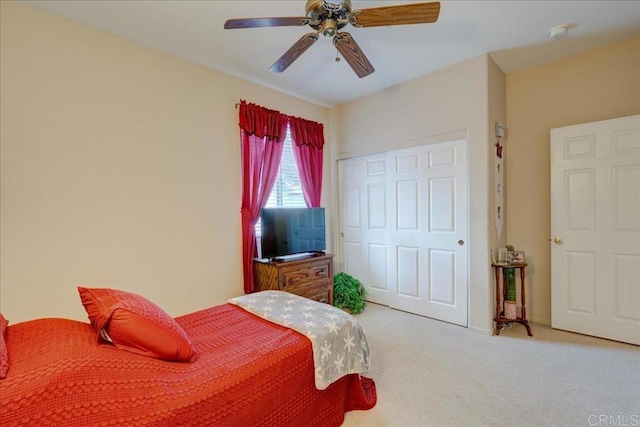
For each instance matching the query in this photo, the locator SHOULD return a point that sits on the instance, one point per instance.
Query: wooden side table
(499, 318)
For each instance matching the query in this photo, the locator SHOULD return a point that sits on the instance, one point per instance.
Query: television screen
(287, 231)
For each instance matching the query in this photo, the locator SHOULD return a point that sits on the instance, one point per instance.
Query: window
(287, 190)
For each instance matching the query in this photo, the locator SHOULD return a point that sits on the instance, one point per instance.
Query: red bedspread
(248, 372)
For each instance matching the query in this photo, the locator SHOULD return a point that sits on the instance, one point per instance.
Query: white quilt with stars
(339, 342)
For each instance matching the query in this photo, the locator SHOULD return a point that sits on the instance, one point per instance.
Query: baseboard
(541, 320)
(481, 331)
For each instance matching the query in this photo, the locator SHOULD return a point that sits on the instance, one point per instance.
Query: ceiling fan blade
(350, 50)
(266, 22)
(294, 52)
(421, 13)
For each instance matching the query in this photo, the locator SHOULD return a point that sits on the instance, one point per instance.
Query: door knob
(460, 242)
(558, 240)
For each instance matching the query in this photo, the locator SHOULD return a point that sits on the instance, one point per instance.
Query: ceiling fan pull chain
(337, 56)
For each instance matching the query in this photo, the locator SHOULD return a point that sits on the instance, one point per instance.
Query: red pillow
(135, 324)
(4, 357)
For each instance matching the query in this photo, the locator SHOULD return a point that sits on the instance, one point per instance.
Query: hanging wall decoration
(498, 179)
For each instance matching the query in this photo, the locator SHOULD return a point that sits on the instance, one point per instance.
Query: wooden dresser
(310, 277)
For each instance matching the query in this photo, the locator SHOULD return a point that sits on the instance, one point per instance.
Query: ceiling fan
(327, 17)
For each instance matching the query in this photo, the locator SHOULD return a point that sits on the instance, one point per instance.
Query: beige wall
(120, 167)
(597, 85)
(497, 114)
(440, 106)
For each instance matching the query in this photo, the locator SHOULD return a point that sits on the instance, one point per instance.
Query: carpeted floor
(431, 373)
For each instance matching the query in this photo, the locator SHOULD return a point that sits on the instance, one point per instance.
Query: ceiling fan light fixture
(329, 28)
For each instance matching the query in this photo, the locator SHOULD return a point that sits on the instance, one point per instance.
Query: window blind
(287, 190)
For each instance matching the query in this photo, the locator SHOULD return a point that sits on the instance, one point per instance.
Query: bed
(245, 370)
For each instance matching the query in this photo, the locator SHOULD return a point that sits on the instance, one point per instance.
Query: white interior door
(595, 227)
(404, 228)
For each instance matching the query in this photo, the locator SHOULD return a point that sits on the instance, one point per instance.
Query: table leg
(522, 298)
(504, 289)
(497, 274)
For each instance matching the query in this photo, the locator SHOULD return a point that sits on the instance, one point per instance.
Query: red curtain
(308, 140)
(261, 132)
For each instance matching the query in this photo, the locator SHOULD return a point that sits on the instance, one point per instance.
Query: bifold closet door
(403, 225)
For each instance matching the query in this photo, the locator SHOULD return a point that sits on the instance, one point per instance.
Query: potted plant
(348, 293)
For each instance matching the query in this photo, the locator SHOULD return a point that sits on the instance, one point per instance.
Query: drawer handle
(300, 275)
(296, 278)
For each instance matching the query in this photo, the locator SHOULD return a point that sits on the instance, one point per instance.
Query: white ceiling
(515, 33)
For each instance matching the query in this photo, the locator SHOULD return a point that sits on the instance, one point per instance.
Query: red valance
(306, 132)
(261, 122)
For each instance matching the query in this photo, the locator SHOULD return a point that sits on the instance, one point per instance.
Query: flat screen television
(288, 231)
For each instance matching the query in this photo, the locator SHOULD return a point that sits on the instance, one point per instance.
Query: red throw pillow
(135, 324)
(4, 356)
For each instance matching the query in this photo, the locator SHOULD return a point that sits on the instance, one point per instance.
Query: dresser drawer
(291, 278)
(322, 294)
